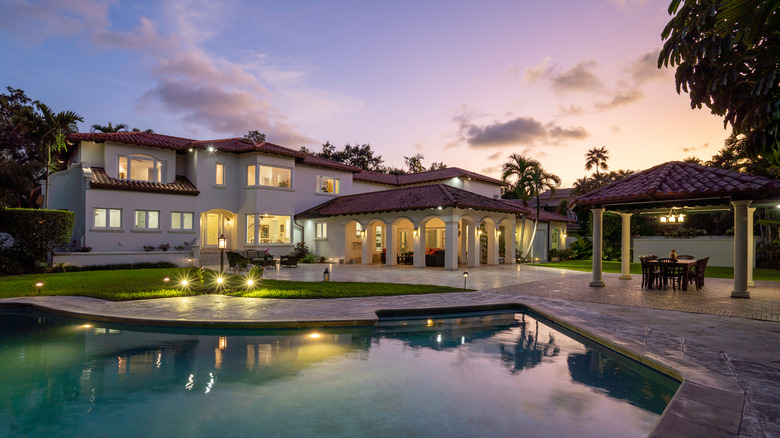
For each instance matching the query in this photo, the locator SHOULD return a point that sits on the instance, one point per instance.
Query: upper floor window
(141, 168)
(269, 176)
(181, 220)
(220, 177)
(108, 218)
(326, 184)
(147, 219)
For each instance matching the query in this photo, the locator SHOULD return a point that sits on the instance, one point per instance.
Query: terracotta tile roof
(235, 145)
(676, 180)
(311, 160)
(423, 177)
(409, 198)
(182, 186)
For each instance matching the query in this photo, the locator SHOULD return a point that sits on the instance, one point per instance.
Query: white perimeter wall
(719, 249)
(180, 258)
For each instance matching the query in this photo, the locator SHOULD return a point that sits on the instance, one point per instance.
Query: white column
(451, 245)
(597, 215)
(625, 253)
(474, 254)
(740, 249)
(463, 242)
(419, 246)
(492, 244)
(366, 242)
(750, 248)
(390, 245)
(509, 248)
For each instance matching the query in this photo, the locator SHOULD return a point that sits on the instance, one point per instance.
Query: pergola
(682, 187)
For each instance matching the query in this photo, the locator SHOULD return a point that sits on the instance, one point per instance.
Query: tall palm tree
(597, 157)
(119, 127)
(49, 129)
(531, 181)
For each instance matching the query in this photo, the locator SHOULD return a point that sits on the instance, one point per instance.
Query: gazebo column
(740, 249)
(390, 244)
(625, 246)
(464, 250)
(597, 218)
(474, 254)
(451, 245)
(365, 239)
(419, 246)
(750, 250)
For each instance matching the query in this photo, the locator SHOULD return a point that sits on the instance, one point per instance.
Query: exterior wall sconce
(326, 275)
(416, 231)
(465, 278)
(362, 234)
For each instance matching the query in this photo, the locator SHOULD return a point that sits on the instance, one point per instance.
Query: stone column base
(596, 283)
(738, 294)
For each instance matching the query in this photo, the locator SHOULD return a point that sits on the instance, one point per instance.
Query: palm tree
(414, 163)
(120, 127)
(597, 157)
(531, 181)
(49, 130)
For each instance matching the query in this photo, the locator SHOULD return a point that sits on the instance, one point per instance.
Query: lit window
(358, 230)
(267, 228)
(108, 218)
(181, 220)
(378, 238)
(328, 185)
(141, 168)
(220, 180)
(269, 176)
(147, 219)
(321, 231)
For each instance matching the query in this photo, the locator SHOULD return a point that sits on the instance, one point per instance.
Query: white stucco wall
(66, 192)
(127, 238)
(720, 249)
(306, 195)
(364, 187)
(112, 150)
(180, 258)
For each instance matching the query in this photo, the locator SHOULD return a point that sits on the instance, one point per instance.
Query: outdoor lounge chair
(290, 260)
(236, 261)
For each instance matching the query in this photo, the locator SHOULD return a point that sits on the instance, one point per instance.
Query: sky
(466, 83)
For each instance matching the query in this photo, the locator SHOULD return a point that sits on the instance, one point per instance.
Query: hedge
(35, 234)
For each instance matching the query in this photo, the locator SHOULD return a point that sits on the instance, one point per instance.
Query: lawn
(136, 284)
(636, 268)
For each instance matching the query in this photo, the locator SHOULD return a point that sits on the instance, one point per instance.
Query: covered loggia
(678, 188)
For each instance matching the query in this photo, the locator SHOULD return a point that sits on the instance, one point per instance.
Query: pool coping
(706, 404)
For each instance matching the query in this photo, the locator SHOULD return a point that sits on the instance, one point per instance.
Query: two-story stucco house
(132, 190)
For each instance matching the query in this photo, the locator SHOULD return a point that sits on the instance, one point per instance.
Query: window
(358, 230)
(403, 242)
(267, 228)
(108, 218)
(220, 178)
(259, 175)
(320, 231)
(147, 219)
(181, 220)
(141, 168)
(327, 184)
(378, 238)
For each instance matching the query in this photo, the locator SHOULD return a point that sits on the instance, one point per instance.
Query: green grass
(136, 284)
(636, 268)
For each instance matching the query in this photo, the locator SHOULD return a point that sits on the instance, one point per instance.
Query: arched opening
(215, 223)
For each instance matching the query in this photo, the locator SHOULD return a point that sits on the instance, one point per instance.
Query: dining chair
(649, 272)
(671, 271)
(701, 266)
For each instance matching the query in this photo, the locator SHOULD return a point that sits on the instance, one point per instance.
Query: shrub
(85, 249)
(164, 246)
(685, 233)
(60, 267)
(148, 248)
(179, 248)
(309, 258)
(35, 234)
(302, 249)
(256, 272)
(582, 248)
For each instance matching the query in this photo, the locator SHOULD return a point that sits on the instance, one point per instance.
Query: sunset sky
(466, 83)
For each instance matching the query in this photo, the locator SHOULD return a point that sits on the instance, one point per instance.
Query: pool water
(488, 374)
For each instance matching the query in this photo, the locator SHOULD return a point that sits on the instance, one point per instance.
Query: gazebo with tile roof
(683, 187)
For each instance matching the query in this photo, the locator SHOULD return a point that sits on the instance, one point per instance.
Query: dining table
(687, 264)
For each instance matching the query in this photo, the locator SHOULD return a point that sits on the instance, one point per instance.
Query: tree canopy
(256, 136)
(727, 57)
(597, 157)
(119, 127)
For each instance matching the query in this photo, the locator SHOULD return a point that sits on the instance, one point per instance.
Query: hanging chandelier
(672, 218)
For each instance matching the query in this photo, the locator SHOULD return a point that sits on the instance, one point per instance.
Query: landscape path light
(222, 242)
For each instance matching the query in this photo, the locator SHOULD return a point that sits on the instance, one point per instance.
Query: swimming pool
(482, 374)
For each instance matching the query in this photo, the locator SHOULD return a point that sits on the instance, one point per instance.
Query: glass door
(213, 228)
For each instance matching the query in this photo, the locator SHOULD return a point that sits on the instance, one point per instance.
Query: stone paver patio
(727, 350)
